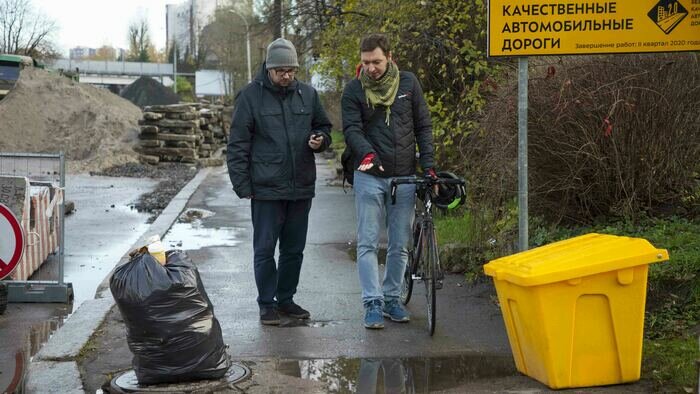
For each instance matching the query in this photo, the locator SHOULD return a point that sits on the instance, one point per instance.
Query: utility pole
(174, 67)
(247, 42)
(277, 19)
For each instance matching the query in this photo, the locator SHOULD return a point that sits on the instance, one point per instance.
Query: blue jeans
(372, 205)
(394, 374)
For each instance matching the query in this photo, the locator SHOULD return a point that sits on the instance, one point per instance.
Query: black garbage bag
(170, 323)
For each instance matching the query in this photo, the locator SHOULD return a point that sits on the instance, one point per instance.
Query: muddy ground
(174, 176)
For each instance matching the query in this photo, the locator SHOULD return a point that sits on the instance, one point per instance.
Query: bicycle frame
(423, 221)
(424, 260)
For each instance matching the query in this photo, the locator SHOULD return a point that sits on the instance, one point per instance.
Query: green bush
(609, 136)
(185, 90)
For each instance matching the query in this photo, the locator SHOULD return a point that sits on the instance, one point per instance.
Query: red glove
(368, 158)
(431, 173)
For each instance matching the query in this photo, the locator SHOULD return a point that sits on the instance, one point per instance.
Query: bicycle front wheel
(429, 276)
(413, 261)
(407, 285)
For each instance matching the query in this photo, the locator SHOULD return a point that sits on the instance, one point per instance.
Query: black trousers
(286, 221)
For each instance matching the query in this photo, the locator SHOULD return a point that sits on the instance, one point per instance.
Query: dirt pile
(46, 112)
(147, 91)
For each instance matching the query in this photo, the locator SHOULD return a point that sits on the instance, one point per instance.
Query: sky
(94, 23)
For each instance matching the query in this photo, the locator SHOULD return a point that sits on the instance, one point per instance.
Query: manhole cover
(127, 383)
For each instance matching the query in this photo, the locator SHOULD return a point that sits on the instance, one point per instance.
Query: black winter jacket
(366, 131)
(268, 155)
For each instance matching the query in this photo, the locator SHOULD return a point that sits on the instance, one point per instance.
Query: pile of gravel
(147, 91)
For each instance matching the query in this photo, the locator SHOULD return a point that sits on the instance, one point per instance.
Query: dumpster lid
(574, 258)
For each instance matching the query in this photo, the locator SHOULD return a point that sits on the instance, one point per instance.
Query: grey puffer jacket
(366, 131)
(268, 155)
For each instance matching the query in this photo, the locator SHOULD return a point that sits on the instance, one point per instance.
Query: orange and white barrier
(39, 218)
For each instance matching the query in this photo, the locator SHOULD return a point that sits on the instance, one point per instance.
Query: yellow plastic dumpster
(574, 309)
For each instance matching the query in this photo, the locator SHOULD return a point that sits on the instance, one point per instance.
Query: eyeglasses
(282, 71)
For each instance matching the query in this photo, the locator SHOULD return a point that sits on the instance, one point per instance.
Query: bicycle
(423, 257)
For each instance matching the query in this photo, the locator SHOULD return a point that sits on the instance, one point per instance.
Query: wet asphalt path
(468, 320)
(332, 352)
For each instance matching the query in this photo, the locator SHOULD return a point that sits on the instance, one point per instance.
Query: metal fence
(41, 169)
(114, 68)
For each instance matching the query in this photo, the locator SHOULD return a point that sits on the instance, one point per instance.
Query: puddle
(193, 214)
(399, 375)
(93, 248)
(308, 323)
(15, 360)
(190, 234)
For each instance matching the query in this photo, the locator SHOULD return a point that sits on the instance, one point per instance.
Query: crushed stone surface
(173, 177)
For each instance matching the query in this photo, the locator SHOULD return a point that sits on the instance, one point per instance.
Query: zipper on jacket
(289, 144)
(395, 173)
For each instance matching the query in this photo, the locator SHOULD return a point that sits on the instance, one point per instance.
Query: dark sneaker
(395, 311)
(373, 314)
(269, 317)
(293, 310)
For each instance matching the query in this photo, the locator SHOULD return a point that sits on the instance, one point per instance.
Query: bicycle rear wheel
(430, 267)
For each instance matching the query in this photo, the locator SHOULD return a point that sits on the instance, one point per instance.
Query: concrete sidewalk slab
(67, 341)
(54, 377)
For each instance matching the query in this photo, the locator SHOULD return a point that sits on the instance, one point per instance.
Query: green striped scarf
(382, 91)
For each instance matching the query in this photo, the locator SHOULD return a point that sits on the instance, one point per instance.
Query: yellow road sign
(578, 27)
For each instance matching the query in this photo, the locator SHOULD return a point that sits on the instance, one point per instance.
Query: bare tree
(139, 41)
(24, 31)
(306, 19)
(223, 42)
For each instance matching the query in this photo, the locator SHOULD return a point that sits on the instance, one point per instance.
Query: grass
(455, 229)
(89, 348)
(670, 363)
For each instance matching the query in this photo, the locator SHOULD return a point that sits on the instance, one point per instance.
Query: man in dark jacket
(278, 123)
(384, 115)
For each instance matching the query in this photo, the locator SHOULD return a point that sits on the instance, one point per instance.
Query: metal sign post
(522, 155)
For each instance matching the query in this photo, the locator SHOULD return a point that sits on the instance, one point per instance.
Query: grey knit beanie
(281, 53)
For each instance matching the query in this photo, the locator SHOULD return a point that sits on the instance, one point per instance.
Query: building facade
(82, 52)
(184, 21)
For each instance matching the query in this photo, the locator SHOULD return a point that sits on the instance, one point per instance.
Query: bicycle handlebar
(427, 181)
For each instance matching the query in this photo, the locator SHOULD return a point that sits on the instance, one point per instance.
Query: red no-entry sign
(11, 241)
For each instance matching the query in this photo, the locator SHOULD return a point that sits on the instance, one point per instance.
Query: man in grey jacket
(278, 124)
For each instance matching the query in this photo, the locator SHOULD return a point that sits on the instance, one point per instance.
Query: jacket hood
(263, 79)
